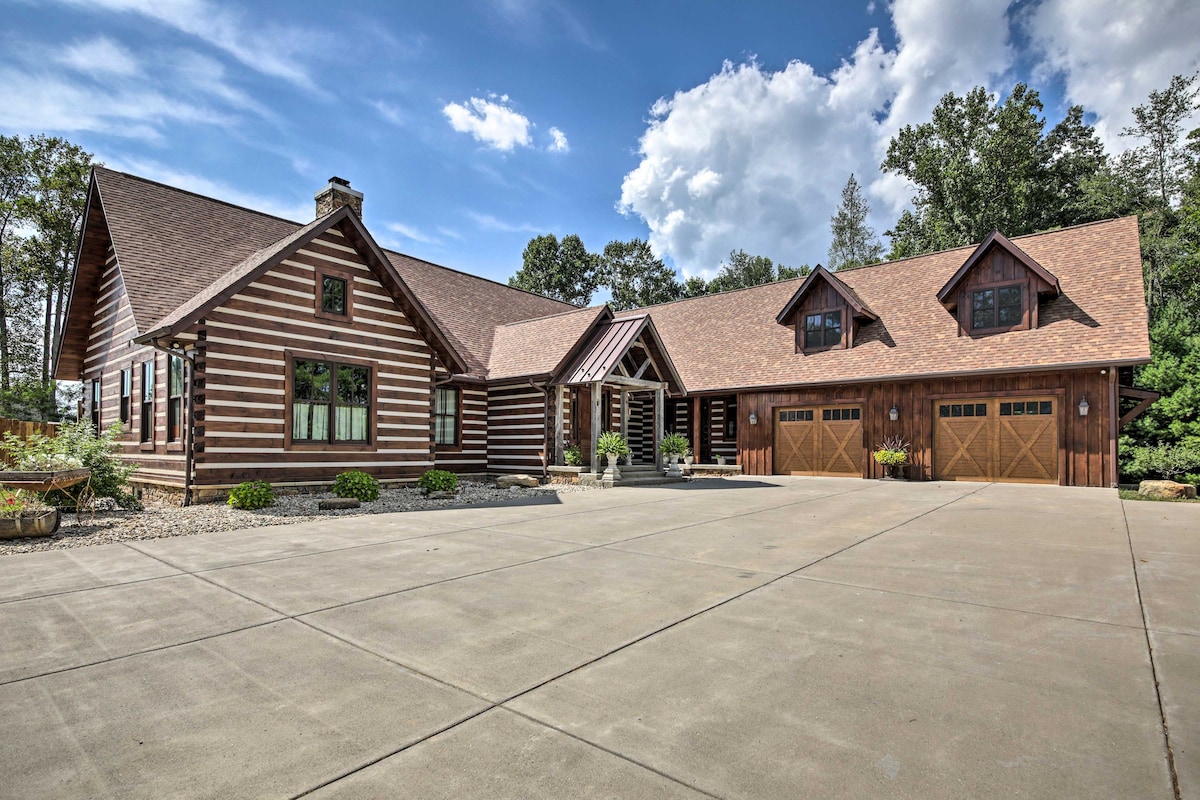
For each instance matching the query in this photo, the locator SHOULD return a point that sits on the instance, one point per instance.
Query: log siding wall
(1084, 442)
(516, 426)
(242, 391)
(472, 454)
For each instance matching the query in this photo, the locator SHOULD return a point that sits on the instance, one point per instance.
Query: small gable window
(1001, 307)
(822, 329)
(334, 298)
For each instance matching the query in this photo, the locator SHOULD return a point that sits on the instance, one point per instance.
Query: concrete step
(653, 479)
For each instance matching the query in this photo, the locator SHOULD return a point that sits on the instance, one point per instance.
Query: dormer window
(822, 330)
(997, 308)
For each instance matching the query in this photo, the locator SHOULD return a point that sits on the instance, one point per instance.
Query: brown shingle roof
(732, 340)
(173, 245)
(540, 346)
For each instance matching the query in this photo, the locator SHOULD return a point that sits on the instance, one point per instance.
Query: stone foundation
(565, 475)
(712, 470)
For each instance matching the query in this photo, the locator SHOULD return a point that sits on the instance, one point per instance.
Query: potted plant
(572, 457)
(893, 455)
(24, 514)
(612, 446)
(673, 445)
(688, 458)
(720, 461)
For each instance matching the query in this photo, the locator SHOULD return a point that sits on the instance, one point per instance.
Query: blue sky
(472, 126)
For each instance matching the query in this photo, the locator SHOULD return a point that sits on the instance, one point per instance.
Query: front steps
(632, 475)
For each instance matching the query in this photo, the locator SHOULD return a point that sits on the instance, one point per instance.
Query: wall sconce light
(894, 414)
(1083, 407)
(753, 418)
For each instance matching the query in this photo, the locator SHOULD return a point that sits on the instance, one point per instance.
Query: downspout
(189, 444)
(545, 390)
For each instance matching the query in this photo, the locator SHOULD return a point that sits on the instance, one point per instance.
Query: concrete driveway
(741, 638)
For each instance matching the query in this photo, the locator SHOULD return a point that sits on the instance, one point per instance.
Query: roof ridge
(209, 198)
(596, 309)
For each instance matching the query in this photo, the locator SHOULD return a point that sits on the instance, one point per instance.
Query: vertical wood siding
(1083, 441)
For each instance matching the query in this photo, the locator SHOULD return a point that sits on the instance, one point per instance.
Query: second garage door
(996, 439)
(819, 440)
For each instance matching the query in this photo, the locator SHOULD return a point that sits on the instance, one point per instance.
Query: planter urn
(613, 472)
(673, 470)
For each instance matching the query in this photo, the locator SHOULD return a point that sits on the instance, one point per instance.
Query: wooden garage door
(819, 440)
(996, 439)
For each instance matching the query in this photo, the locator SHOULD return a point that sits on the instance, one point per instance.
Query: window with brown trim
(331, 402)
(334, 295)
(446, 426)
(126, 395)
(174, 398)
(147, 415)
(822, 329)
(997, 308)
(96, 405)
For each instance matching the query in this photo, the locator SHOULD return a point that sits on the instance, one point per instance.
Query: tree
(742, 271)
(560, 270)
(979, 166)
(694, 286)
(15, 183)
(854, 242)
(1165, 158)
(635, 277)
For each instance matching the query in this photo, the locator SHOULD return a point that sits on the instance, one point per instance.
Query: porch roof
(610, 342)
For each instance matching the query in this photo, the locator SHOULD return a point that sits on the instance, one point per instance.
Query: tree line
(43, 192)
(981, 164)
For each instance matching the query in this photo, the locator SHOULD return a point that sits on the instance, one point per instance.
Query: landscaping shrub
(1169, 461)
(76, 446)
(572, 457)
(252, 495)
(438, 480)
(358, 485)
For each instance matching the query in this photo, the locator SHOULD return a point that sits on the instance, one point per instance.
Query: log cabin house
(236, 346)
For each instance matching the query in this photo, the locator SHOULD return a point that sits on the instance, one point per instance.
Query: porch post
(696, 422)
(560, 393)
(625, 416)
(659, 399)
(597, 467)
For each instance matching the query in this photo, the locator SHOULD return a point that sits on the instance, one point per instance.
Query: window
(840, 414)
(147, 416)
(730, 420)
(1027, 408)
(823, 329)
(445, 417)
(962, 410)
(997, 308)
(96, 405)
(330, 402)
(126, 394)
(333, 295)
(174, 398)
(804, 415)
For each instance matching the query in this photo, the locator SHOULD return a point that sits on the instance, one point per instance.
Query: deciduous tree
(561, 270)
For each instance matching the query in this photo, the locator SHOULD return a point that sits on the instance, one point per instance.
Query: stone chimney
(337, 193)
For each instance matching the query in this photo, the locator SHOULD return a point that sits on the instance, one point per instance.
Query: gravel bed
(160, 521)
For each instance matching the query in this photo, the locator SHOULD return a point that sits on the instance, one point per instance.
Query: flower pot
(720, 461)
(44, 523)
(613, 472)
(688, 460)
(894, 472)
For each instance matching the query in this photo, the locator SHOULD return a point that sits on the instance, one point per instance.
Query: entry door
(819, 440)
(996, 439)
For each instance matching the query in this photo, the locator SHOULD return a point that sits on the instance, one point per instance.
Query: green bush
(674, 444)
(358, 485)
(612, 443)
(1169, 461)
(252, 495)
(438, 480)
(572, 457)
(76, 446)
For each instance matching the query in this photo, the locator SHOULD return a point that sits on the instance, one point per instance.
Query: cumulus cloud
(756, 159)
(1112, 53)
(558, 143)
(492, 122)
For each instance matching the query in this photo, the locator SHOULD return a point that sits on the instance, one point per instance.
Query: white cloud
(390, 112)
(1112, 53)
(559, 143)
(274, 49)
(486, 222)
(756, 159)
(492, 122)
(409, 232)
(101, 54)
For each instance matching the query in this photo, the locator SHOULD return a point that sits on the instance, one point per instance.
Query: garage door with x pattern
(996, 439)
(819, 440)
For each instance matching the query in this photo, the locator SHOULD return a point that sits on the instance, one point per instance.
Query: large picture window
(147, 415)
(174, 398)
(445, 417)
(822, 329)
(330, 402)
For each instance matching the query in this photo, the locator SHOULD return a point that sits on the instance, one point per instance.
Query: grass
(1131, 494)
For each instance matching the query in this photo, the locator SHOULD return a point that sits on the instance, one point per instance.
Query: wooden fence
(24, 429)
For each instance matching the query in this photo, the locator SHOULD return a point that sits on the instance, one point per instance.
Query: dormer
(997, 289)
(825, 313)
